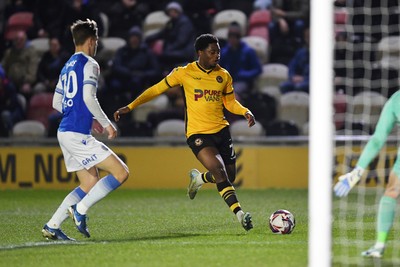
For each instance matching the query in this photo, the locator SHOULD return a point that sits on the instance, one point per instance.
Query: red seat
(40, 107)
(340, 16)
(20, 21)
(259, 18)
(340, 101)
(260, 31)
(258, 23)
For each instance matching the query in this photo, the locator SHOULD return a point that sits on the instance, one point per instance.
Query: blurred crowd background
(264, 45)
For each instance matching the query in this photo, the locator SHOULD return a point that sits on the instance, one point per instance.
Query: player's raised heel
(247, 222)
(194, 186)
(373, 252)
(55, 234)
(79, 220)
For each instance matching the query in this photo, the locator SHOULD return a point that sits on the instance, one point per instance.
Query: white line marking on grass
(152, 242)
(42, 244)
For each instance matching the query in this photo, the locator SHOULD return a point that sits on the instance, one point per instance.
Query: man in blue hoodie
(240, 60)
(178, 37)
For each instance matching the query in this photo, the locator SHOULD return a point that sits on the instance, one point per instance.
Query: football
(282, 222)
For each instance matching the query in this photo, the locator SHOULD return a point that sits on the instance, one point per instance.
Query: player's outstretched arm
(119, 112)
(347, 182)
(250, 118)
(112, 132)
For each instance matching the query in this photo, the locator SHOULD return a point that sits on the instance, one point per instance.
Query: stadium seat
(294, 107)
(340, 16)
(262, 32)
(389, 52)
(106, 23)
(222, 20)
(20, 21)
(366, 108)
(109, 45)
(258, 23)
(29, 128)
(259, 18)
(41, 45)
(271, 90)
(305, 128)
(260, 45)
(241, 128)
(40, 107)
(159, 103)
(341, 103)
(171, 127)
(282, 128)
(154, 22)
(273, 74)
(112, 43)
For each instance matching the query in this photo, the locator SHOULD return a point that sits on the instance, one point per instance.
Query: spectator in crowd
(10, 108)
(50, 66)
(134, 66)
(299, 69)
(20, 64)
(47, 19)
(241, 61)
(124, 14)
(286, 28)
(178, 38)
(262, 4)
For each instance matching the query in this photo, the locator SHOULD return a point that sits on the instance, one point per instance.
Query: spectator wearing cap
(134, 67)
(178, 38)
(241, 61)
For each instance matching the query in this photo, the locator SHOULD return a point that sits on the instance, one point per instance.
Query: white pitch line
(42, 244)
(164, 242)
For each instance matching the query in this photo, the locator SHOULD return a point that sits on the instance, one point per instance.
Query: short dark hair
(82, 30)
(204, 40)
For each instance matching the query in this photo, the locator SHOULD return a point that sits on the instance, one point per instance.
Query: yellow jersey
(206, 92)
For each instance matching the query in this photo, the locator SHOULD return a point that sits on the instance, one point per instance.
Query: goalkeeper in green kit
(389, 116)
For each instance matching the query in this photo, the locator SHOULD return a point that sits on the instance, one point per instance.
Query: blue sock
(62, 212)
(101, 189)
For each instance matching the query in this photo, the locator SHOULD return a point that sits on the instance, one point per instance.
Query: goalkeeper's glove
(347, 182)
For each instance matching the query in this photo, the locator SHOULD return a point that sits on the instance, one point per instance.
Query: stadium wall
(156, 167)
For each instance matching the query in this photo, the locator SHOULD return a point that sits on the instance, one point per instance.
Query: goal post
(321, 134)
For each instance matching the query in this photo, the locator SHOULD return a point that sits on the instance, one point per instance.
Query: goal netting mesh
(366, 64)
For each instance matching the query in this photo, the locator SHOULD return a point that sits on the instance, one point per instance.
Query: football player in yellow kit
(207, 89)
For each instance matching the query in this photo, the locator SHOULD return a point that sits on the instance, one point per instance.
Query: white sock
(61, 213)
(379, 245)
(199, 180)
(101, 189)
(240, 215)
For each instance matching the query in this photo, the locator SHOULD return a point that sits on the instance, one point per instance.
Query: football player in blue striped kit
(75, 97)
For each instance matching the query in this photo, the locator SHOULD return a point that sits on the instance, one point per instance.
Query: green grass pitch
(154, 228)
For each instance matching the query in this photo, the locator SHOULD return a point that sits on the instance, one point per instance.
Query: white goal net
(366, 64)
